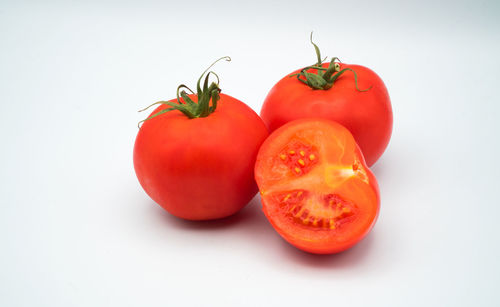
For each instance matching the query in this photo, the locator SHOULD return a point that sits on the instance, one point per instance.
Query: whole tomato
(197, 160)
(351, 95)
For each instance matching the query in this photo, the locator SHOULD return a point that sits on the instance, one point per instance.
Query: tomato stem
(323, 78)
(186, 105)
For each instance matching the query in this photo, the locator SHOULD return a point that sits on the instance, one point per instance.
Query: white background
(76, 229)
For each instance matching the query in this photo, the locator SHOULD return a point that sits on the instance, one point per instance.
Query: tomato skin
(365, 193)
(201, 168)
(368, 115)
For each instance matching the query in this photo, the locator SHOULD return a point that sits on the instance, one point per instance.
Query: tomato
(200, 168)
(316, 189)
(365, 110)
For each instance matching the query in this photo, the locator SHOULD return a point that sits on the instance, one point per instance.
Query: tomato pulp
(316, 188)
(367, 114)
(200, 168)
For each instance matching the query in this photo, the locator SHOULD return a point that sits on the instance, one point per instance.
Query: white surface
(76, 229)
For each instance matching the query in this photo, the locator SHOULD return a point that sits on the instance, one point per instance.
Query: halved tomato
(316, 188)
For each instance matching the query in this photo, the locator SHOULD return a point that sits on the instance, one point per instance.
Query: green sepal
(186, 105)
(334, 77)
(173, 107)
(323, 78)
(314, 81)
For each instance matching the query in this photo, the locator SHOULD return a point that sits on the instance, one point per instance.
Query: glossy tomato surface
(200, 168)
(316, 188)
(367, 115)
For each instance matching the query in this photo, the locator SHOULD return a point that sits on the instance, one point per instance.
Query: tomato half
(367, 114)
(316, 188)
(200, 168)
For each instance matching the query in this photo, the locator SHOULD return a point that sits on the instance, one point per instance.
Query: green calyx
(324, 77)
(186, 105)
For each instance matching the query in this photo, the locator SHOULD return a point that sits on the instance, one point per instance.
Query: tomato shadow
(248, 216)
(378, 169)
(353, 257)
(381, 169)
(251, 225)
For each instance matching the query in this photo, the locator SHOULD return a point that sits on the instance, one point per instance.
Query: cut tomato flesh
(316, 189)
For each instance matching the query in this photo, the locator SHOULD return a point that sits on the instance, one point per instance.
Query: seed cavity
(300, 212)
(299, 157)
(299, 154)
(321, 212)
(332, 224)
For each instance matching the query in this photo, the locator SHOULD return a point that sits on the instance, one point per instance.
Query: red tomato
(197, 160)
(316, 189)
(367, 114)
(200, 168)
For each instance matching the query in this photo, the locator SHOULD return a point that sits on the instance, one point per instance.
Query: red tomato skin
(368, 115)
(201, 168)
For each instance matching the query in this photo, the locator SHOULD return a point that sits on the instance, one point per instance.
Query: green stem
(186, 105)
(323, 78)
